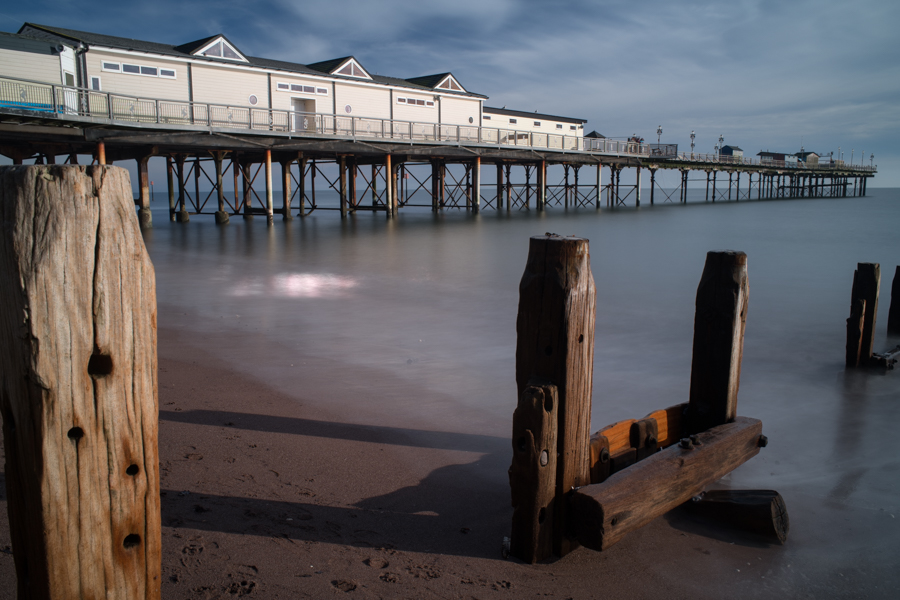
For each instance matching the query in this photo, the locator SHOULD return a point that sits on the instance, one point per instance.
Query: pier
(371, 164)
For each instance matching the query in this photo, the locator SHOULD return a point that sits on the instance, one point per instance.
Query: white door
(304, 116)
(67, 99)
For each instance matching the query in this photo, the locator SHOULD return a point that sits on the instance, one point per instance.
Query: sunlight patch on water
(297, 285)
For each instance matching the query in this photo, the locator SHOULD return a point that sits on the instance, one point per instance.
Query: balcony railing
(724, 159)
(65, 102)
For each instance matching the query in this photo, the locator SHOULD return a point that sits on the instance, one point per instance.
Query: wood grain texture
(719, 322)
(603, 513)
(555, 328)
(893, 324)
(78, 392)
(855, 324)
(532, 476)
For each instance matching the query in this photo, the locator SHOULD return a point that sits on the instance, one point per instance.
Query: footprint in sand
(378, 563)
(344, 585)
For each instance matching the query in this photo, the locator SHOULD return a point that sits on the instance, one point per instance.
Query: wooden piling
(170, 180)
(761, 512)
(599, 198)
(79, 388)
(532, 476)
(476, 185)
(893, 323)
(555, 343)
(286, 190)
(145, 217)
(221, 216)
(342, 186)
(866, 281)
(270, 212)
(182, 215)
(721, 315)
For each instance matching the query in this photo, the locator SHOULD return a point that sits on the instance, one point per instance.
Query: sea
(416, 317)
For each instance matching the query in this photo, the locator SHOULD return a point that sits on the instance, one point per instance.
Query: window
(151, 71)
(134, 69)
(559, 125)
(95, 84)
(573, 128)
(300, 88)
(70, 78)
(253, 100)
(450, 84)
(486, 117)
(170, 73)
(513, 121)
(144, 70)
(537, 123)
(415, 102)
(111, 66)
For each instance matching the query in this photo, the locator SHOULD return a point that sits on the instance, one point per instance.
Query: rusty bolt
(763, 441)
(604, 455)
(686, 443)
(695, 439)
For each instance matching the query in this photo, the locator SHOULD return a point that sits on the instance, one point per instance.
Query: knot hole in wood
(131, 540)
(100, 365)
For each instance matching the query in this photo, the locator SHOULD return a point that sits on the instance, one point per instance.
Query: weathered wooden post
(863, 311)
(78, 391)
(893, 324)
(555, 345)
(221, 215)
(719, 322)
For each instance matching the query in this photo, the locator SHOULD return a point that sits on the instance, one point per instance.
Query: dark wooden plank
(532, 476)
(555, 328)
(669, 424)
(600, 456)
(721, 316)
(644, 437)
(604, 513)
(762, 512)
(893, 324)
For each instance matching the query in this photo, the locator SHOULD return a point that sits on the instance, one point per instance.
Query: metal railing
(724, 159)
(63, 102)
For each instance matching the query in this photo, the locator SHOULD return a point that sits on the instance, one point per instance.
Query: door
(304, 116)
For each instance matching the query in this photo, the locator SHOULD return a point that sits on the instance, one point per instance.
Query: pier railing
(78, 104)
(722, 159)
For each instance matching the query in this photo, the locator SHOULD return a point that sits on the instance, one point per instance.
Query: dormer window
(221, 49)
(352, 69)
(449, 83)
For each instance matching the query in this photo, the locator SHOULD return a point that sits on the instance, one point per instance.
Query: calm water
(411, 323)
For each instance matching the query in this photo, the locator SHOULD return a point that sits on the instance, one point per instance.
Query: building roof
(533, 115)
(186, 51)
(768, 154)
(595, 134)
(732, 148)
(805, 153)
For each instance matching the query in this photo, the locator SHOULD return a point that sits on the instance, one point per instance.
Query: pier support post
(302, 163)
(248, 189)
(270, 211)
(476, 185)
(342, 184)
(637, 188)
(499, 186)
(221, 216)
(145, 217)
(434, 185)
(618, 178)
(566, 186)
(599, 198)
(182, 215)
(721, 315)
(374, 185)
(101, 153)
(652, 184)
(508, 187)
(286, 190)
(528, 169)
(351, 183)
(555, 344)
(79, 401)
(171, 184)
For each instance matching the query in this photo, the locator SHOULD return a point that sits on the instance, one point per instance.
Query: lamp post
(721, 140)
(871, 160)
(692, 144)
(658, 135)
(852, 150)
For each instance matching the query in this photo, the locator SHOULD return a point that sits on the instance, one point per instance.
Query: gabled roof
(534, 115)
(72, 36)
(805, 153)
(595, 134)
(342, 67)
(439, 81)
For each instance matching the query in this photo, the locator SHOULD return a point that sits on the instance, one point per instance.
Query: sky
(765, 75)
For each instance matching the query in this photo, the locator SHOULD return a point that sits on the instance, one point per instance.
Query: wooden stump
(855, 325)
(721, 316)
(78, 392)
(893, 324)
(555, 327)
(532, 476)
